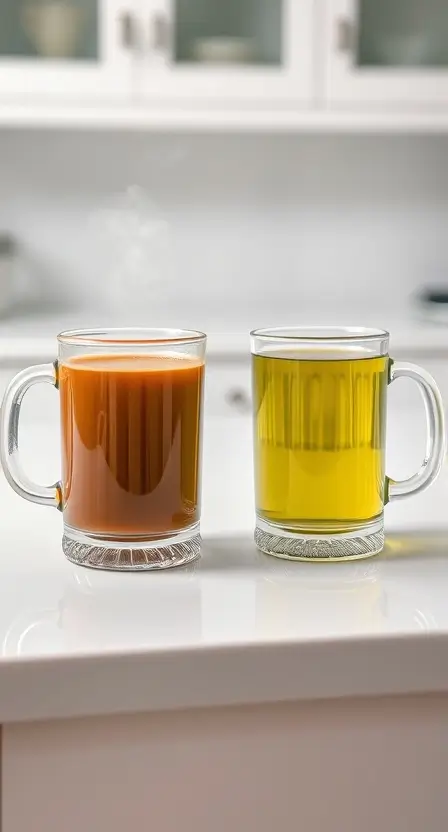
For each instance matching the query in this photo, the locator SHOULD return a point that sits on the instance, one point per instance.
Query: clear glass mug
(131, 414)
(319, 399)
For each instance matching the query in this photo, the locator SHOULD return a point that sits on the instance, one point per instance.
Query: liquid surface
(319, 437)
(131, 443)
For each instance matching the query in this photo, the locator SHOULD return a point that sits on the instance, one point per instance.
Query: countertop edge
(77, 686)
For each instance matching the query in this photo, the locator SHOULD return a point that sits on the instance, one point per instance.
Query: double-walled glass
(319, 398)
(131, 411)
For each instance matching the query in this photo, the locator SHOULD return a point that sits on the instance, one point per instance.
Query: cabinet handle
(345, 35)
(160, 33)
(128, 30)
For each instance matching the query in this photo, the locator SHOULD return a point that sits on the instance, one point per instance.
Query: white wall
(255, 222)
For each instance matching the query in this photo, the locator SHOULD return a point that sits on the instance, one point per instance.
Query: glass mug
(131, 412)
(319, 399)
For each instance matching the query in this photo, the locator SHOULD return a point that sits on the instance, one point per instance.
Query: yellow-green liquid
(319, 437)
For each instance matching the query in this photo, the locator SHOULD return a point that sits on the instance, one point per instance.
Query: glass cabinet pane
(403, 33)
(228, 31)
(49, 29)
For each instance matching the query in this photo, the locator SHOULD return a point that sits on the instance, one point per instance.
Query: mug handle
(435, 441)
(46, 495)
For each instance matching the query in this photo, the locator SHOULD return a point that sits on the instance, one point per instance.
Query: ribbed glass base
(98, 552)
(353, 543)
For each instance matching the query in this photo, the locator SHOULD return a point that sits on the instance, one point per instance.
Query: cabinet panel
(254, 49)
(382, 51)
(261, 768)
(75, 48)
(50, 29)
(402, 33)
(239, 32)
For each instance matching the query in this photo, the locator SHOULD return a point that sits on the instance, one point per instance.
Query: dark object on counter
(8, 246)
(8, 272)
(433, 304)
(435, 296)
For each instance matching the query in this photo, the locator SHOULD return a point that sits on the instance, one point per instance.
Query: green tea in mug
(319, 405)
(319, 438)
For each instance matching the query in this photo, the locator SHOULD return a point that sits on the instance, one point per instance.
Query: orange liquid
(131, 443)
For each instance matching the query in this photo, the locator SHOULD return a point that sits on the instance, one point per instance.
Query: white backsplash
(256, 224)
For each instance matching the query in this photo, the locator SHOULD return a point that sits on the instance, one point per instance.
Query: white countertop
(34, 336)
(236, 627)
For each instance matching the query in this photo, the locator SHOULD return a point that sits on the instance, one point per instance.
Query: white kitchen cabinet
(59, 50)
(226, 52)
(379, 52)
(156, 51)
(260, 768)
(217, 64)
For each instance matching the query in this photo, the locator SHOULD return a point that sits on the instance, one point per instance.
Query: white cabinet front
(228, 51)
(67, 49)
(383, 51)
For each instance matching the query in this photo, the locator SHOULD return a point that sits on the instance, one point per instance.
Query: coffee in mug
(131, 405)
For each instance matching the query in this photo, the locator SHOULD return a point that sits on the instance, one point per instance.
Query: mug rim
(129, 336)
(320, 333)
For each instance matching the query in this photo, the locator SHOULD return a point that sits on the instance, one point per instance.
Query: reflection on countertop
(233, 595)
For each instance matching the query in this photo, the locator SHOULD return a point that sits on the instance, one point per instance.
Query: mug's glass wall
(319, 431)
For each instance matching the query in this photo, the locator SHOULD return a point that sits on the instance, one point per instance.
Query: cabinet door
(228, 50)
(382, 51)
(66, 48)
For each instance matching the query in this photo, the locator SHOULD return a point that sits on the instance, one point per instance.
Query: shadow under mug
(131, 413)
(319, 399)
